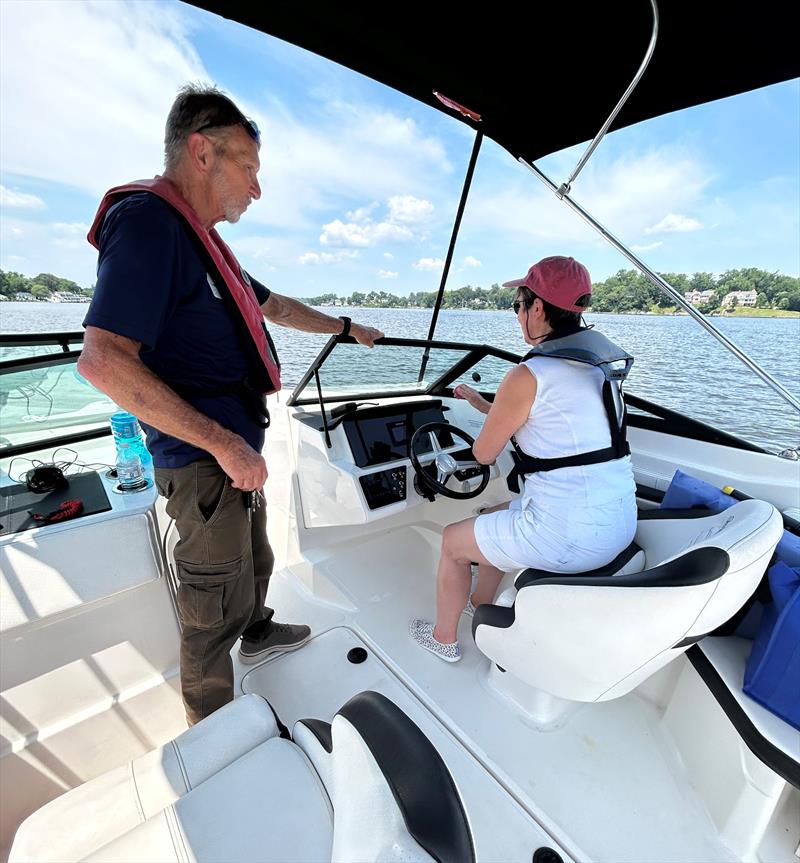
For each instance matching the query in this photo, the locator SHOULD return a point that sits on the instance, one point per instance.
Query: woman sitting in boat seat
(562, 405)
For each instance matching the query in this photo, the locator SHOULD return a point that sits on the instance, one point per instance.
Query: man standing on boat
(175, 334)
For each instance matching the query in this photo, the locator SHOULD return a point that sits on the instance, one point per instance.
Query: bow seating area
(589, 637)
(368, 786)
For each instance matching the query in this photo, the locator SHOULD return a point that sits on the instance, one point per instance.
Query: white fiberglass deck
(608, 785)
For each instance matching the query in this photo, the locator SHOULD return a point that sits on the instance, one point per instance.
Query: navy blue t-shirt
(153, 287)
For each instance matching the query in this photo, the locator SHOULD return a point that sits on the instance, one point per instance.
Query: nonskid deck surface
(608, 785)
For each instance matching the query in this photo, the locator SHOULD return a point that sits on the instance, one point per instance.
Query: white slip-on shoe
(469, 608)
(422, 632)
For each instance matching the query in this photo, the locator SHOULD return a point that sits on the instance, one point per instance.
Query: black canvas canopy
(544, 76)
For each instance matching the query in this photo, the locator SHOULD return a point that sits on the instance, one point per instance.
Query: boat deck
(610, 771)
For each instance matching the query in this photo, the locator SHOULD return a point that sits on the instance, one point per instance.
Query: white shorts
(562, 539)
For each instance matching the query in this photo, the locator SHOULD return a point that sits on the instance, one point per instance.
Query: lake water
(678, 364)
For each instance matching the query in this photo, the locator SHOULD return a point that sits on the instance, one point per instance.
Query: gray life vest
(583, 346)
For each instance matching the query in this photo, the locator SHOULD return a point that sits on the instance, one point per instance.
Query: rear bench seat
(369, 786)
(85, 819)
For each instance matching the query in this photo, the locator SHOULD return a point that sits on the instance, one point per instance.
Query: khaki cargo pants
(223, 563)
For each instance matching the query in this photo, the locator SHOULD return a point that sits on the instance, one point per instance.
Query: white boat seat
(77, 823)
(629, 560)
(367, 787)
(268, 805)
(591, 638)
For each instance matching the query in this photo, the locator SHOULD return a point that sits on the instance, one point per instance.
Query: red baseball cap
(558, 280)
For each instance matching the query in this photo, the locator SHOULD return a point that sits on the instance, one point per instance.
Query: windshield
(44, 400)
(392, 367)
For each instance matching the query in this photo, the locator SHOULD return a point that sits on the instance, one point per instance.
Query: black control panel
(385, 487)
(381, 434)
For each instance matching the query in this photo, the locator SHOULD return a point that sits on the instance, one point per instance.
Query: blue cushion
(688, 492)
(772, 672)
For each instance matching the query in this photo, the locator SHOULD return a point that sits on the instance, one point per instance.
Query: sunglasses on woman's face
(517, 305)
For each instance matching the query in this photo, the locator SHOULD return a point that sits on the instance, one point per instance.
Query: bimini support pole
(562, 192)
(666, 288)
(566, 186)
(454, 236)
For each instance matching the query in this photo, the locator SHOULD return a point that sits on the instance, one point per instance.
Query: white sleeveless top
(568, 417)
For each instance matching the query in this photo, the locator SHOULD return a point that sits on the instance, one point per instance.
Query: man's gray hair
(196, 106)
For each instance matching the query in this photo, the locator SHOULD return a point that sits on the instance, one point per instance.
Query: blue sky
(361, 183)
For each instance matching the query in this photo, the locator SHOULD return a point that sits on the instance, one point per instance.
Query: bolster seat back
(393, 797)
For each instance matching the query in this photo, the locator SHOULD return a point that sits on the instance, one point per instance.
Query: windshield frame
(654, 416)
(472, 354)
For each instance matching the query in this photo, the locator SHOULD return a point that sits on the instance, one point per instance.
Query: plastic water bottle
(127, 431)
(129, 468)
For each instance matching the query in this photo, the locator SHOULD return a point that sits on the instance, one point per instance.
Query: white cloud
(674, 223)
(310, 162)
(626, 194)
(43, 247)
(10, 198)
(328, 257)
(469, 261)
(389, 256)
(409, 210)
(361, 231)
(338, 233)
(71, 229)
(387, 274)
(386, 130)
(428, 264)
(86, 88)
(70, 235)
(362, 214)
(648, 247)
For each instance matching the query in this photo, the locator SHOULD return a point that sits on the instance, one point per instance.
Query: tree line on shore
(625, 291)
(39, 287)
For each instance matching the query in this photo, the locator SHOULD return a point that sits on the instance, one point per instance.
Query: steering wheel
(446, 465)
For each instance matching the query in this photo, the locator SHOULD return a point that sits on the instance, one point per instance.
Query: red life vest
(268, 374)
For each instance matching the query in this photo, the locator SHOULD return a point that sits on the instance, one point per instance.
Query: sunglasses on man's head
(249, 126)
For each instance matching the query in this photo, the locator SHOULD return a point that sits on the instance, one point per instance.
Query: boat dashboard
(356, 458)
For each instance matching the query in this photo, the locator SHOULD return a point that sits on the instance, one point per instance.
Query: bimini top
(543, 78)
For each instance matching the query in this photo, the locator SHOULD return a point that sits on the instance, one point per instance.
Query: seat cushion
(269, 805)
(77, 823)
(629, 560)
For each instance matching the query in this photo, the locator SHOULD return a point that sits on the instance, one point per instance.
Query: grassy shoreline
(742, 312)
(657, 311)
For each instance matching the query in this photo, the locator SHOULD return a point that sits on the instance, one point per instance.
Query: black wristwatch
(346, 328)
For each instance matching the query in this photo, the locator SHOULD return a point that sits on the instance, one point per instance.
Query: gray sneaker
(273, 638)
